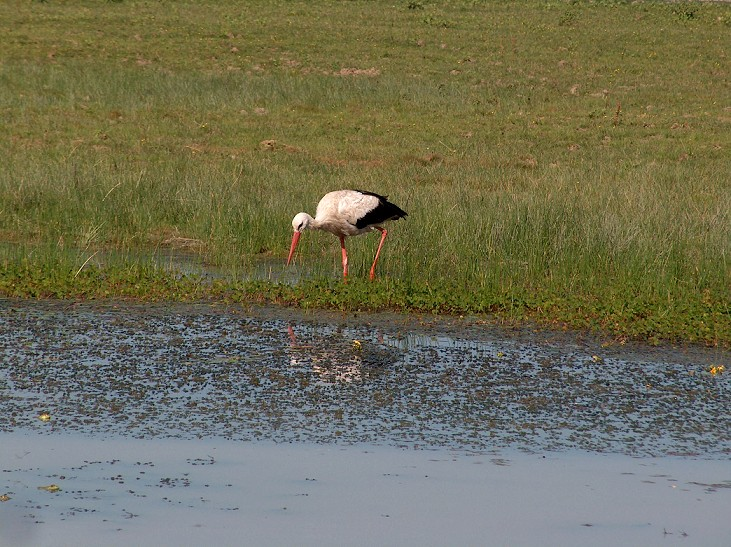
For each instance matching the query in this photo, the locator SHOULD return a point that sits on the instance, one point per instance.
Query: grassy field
(567, 162)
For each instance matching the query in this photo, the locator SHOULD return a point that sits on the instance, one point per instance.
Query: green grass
(560, 161)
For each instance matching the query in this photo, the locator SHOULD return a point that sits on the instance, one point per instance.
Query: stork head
(300, 223)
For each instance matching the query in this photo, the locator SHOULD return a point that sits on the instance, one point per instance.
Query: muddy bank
(192, 371)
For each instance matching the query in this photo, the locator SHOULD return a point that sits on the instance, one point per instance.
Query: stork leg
(384, 233)
(345, 257)
(292, 337)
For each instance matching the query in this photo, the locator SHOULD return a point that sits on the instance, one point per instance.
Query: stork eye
(299, 228)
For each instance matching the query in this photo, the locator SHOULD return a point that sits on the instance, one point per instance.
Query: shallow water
(217, 492)
(186, 424)
(200, 371)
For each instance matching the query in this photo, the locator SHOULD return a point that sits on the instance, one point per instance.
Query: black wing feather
(383, 212)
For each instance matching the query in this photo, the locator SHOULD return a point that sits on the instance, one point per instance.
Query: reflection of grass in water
(542, 155)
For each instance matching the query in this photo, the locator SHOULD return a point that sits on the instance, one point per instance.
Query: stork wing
(354, 206)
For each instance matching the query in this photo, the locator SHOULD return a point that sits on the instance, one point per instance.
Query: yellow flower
(50, 488)
(716, 369)
(44, 416)
(356, 345)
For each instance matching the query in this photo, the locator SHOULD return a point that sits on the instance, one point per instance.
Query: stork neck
(312, 223)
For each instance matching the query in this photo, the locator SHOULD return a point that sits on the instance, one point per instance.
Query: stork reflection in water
(340, 360)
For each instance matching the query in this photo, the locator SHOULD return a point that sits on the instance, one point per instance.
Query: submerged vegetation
(561, 162)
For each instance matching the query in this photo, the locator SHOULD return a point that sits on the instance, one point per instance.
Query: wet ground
(121, 395)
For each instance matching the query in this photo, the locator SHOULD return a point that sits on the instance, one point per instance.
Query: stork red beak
(295, 239)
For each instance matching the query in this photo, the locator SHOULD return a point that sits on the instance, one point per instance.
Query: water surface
(282, 375)
(159, 424)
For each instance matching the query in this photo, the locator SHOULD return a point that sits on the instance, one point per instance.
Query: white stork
(348, 213)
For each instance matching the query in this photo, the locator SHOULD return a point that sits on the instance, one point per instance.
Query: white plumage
(348, 213)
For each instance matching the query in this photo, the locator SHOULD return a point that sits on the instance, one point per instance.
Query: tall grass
(546, 146)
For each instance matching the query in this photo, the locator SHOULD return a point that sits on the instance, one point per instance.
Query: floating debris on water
(166, 371)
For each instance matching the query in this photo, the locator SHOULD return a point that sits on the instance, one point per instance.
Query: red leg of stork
(384, 233)
(345, 257)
